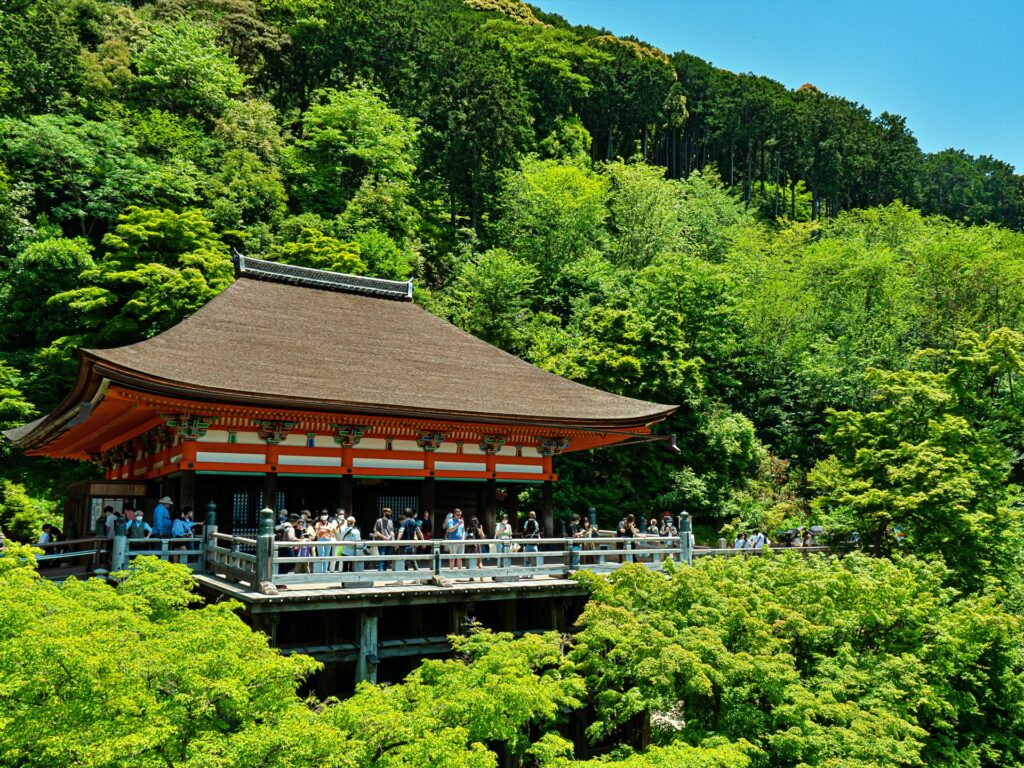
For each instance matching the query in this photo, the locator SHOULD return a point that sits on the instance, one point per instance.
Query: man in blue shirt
(162, 517)
(181, 529)
(455, 532)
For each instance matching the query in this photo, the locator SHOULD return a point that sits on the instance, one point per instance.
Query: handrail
(68, 542)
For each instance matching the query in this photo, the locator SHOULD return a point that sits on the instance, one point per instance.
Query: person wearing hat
(162, 517)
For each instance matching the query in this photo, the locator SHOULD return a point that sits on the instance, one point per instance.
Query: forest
(839, 316)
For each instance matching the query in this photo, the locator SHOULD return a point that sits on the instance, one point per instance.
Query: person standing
(503, 533)
(322, 532)
(350, 534)
(408, 532)
(138, 528)
(573, 531)
(44, 536)
(587, 537)
(181, 528)
(474, 532)
(106, 522)
(757, 541)
(531, 532)
(162, 517)
(455, 533)
(741, 542)
(337, 523)
(384, 530)
(629, 532)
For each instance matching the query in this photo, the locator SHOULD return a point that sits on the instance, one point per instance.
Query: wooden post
(345, 494)
(685, 545)
(507, 610)
(119, 556)
(547, 509)
(209, 534)
(488, 507)
(427, 503)
(265, 548)
(367, 660)
(557, 614)
(270, 490)
(457, 618)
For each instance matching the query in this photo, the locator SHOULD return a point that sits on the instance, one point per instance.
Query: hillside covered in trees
(839, 315)
(790, 269)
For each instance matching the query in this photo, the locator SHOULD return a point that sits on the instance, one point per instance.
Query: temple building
(301, 388)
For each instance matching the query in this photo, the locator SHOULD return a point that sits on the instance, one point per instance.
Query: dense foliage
(645, 223)
(776, 661)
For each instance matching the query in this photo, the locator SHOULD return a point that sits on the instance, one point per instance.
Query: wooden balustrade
(260, 560)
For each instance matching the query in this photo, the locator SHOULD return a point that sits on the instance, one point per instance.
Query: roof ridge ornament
(308, 277)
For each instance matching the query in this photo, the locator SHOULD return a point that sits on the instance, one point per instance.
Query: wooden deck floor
(384, 593)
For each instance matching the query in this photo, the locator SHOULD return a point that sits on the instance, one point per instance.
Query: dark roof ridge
(308, 277)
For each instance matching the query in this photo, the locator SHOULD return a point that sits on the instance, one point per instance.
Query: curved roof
(275, 343)
(282, 343)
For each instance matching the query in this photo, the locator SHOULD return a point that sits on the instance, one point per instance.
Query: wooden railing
(309, 563)
(231, 556)
(85, 555)
(264, 564)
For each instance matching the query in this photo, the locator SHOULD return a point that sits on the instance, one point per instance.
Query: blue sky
(955, 70)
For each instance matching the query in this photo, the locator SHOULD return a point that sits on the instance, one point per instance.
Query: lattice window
(244, 520)
(397, 504)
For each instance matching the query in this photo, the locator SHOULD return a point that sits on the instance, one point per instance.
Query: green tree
(490, 297)
(83, 173)
(645, 213)
(158, 266)
(554, 216)
(910, 460)
(814, 661)
(245, 192)
(348, 137)
(312, 248)
(182, 68)
(21, 517)
(43, 269)
(131, 676)
(39, 65)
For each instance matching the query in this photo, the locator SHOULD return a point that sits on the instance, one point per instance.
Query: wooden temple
(301, 388)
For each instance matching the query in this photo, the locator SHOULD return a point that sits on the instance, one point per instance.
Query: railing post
(435, 547)
(570, 566)
(685, 544)
(209, 531)
(265, 548)
(119, 551)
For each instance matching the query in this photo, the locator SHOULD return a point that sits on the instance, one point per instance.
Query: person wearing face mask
(323, 531)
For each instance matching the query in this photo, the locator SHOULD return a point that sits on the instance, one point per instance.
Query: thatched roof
(289, 345)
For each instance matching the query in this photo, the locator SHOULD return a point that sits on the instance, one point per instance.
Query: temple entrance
(312, 493)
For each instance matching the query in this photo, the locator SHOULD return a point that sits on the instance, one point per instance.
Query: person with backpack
(475, 531)
(531, 532)
(408, 531)
(350, 534)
